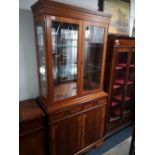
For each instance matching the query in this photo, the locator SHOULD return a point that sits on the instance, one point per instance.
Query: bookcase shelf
(119, 98)
(112, 119)
(122, 82)
(114, 104)
(123, 65)
(116, 86)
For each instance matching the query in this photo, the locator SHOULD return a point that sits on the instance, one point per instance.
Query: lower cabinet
(32, 143)
(72, 134)
(94, 125)
(65, 136)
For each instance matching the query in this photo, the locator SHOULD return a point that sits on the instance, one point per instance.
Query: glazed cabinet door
(65, 47)
(93, 122)
(41, 56)
(94, 48)
(65, 136)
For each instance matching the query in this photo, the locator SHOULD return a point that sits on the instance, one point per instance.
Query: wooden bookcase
(120, 82)
(71, 47)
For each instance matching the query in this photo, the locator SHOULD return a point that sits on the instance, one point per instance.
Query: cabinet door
(40, 42)
(93, 121)
(128, 106)
(65, 34)
(65, 136)
(33, 143)
(93, 56)
(118, 83)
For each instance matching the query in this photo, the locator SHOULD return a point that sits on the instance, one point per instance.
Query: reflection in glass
(42, 68)
(64, 47)
(94, 38)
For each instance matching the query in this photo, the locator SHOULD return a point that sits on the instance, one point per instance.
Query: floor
(121, 149)
(112, 141)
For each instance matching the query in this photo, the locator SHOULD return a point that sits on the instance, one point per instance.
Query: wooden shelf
(65, 90)
(114, 104)
(118, 67)
(116, 86)
(119, 98)
(125, 65)
(132, 65)
(112, 119)
(121, 82)
(126, 112)
(117, 112)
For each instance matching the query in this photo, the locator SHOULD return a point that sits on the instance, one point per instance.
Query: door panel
(93, 56)
(66, 136)
(94, 125)
(65, 34)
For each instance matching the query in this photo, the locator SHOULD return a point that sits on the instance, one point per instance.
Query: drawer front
(73, 110)
(124, 43)
(66, 113)
(88, 105)
(31, 126)
(94, 103)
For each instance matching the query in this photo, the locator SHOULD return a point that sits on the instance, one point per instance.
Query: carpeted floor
(121, 149)
(112, 141)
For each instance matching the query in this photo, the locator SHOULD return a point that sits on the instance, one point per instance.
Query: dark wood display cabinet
(120, 82)
(32, 134)
(71, 50)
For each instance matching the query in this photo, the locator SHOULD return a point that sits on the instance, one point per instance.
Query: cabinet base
(118, 125)
(94, 145)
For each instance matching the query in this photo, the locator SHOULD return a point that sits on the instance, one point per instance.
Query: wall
(28, 81)
(132, 15)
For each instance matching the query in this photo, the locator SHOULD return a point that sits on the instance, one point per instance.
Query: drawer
(94, 103)
(68, 112)
(100, 101)
(124, 43)
(88, 105)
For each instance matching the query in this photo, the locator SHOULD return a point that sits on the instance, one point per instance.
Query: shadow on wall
(28, 80)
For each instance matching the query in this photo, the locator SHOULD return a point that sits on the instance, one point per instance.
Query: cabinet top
(29, 110)
(48, 6)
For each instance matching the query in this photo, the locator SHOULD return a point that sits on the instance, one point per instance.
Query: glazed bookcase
(71, 47)
(120, 82)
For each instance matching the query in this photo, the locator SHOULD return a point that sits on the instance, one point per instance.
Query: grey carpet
(120, 149)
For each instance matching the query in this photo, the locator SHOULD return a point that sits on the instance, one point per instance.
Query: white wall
(28, 81)
(132, 15)
(92, 4)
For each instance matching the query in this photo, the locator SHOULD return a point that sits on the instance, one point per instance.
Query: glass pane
(94, 39)
(120, 70)
(64, 47)
(130, 90)
(42, 68)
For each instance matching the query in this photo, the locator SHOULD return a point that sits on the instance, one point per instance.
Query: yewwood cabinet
(71, 49)
(71, 134)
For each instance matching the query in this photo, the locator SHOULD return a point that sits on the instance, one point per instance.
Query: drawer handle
(96, 101)
(67, 113)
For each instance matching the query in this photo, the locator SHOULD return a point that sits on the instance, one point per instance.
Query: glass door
(130, 86)
(65, 34)
(94, 36)
(41, 58)
(119, 81)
